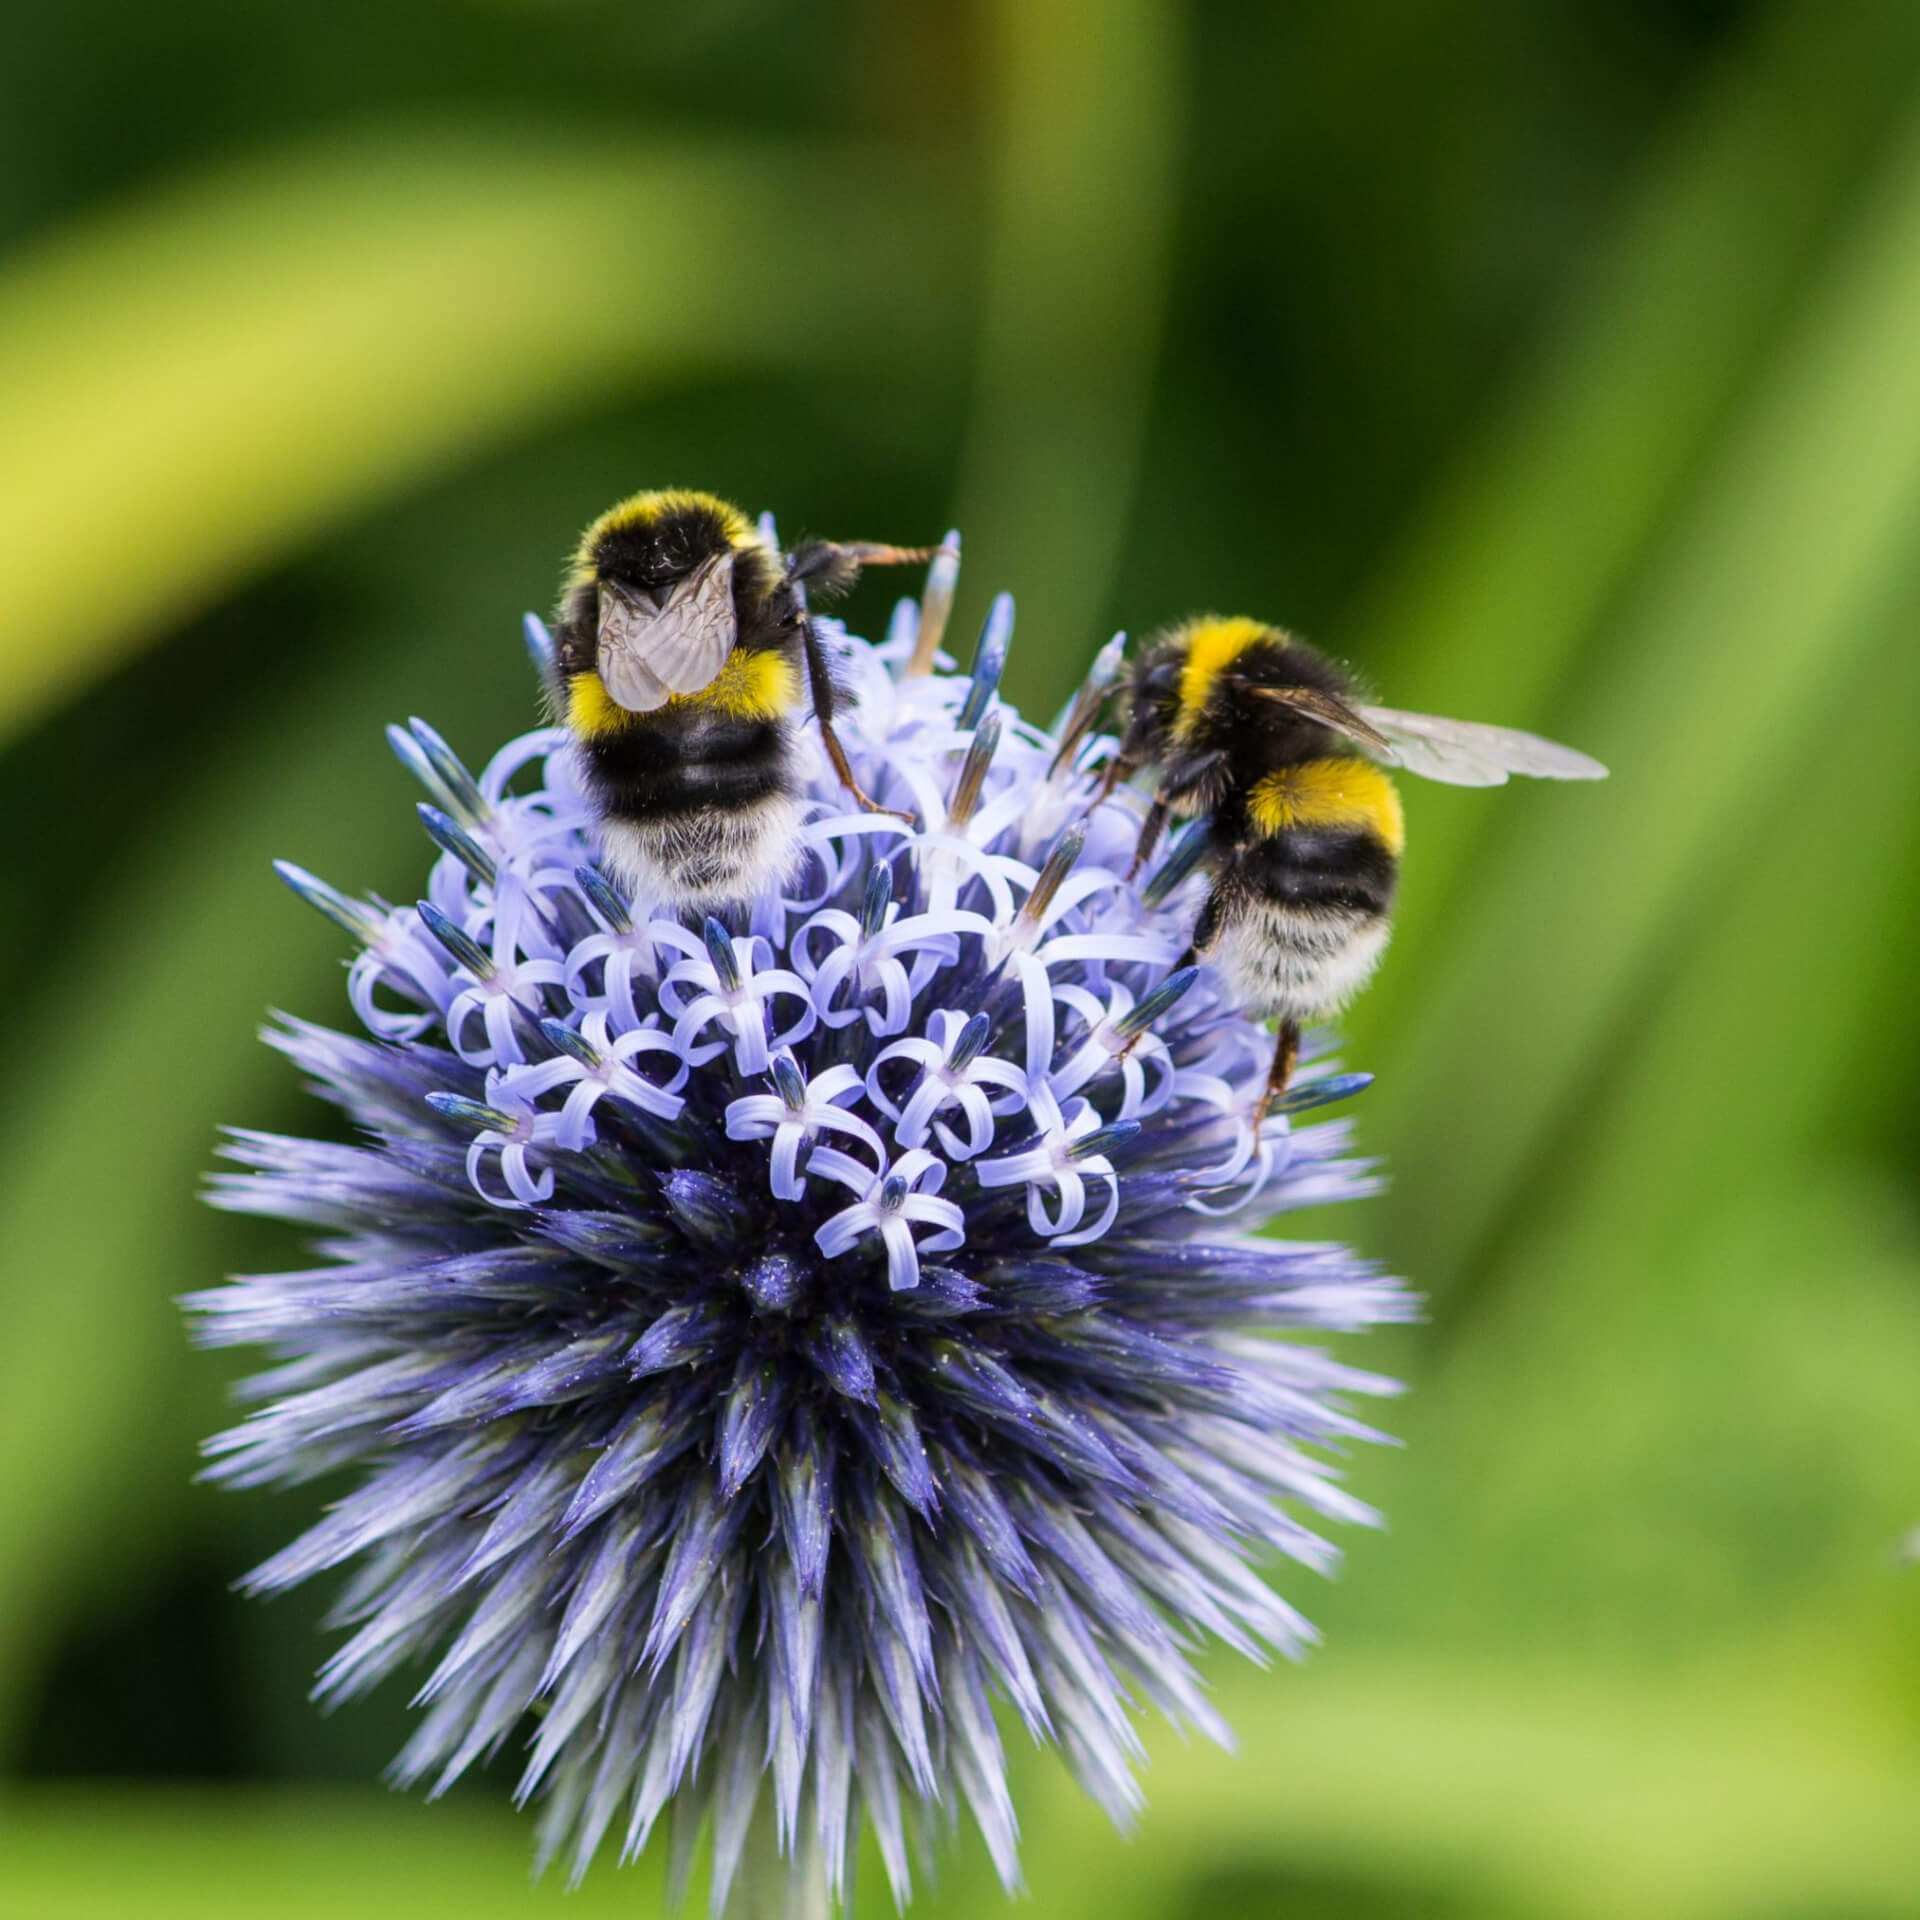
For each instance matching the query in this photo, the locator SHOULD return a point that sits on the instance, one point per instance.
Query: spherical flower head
(767, 1345)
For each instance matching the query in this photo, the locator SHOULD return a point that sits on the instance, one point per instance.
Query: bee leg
(832, 566)
(820, 683)
(1117, 769)
(1150, 831)
(1206, 930)
(1286, 1056)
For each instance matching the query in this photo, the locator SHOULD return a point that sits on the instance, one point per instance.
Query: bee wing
(648, 653)
(1465, 753)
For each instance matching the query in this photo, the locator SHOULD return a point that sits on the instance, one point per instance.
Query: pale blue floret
(796, 1115)
(767, 1344)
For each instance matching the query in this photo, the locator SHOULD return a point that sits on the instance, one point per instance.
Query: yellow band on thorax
(1339, 793)
(641, 511)
(1213, 645)
(752, 685)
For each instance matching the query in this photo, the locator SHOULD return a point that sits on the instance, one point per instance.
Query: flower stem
(773, 1886)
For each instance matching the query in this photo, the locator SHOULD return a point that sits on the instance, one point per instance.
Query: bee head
(651, 544)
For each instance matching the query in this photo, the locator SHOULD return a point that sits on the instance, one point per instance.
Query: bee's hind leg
(820, 684)
(1151, 828)
(1286, 1056)
(843, 769)
(831, 567)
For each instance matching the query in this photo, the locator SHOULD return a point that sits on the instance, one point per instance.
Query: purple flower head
(765, 1346)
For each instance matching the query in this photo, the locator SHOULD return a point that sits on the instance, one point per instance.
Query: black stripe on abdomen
(657, 771)
(1320, 867)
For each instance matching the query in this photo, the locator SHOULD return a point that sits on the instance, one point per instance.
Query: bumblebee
(687, 661)
(1265, 740)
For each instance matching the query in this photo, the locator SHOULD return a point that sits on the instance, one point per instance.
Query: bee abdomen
(1346, 869)
(1303, 919)
(695, 810)
(709, 857)
(1298, 963)
(651, 773)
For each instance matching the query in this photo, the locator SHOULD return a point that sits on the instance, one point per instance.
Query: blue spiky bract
(770, 1354)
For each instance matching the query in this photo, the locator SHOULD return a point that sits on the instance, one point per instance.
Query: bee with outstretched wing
(1263, 739)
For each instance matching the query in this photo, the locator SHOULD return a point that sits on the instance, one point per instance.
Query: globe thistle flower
(775, 1350)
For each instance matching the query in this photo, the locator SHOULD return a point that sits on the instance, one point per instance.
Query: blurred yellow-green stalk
(1558, 364)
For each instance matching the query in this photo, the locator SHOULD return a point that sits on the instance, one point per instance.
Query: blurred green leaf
(1558, 1791)
(1549, 1794)
(202, 380)
(1519, 562)
(156, 1005)
(1684, 1414)
(203, 1855)
(1086, 131)
(1770, 587)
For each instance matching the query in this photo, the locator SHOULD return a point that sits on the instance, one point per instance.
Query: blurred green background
(1557, 363)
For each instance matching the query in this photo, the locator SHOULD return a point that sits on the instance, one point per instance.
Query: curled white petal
(892, 1203)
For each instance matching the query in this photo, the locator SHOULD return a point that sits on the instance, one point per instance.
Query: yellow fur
(1213, 645)
(751, 686)
(1330, 793)
(640, 509)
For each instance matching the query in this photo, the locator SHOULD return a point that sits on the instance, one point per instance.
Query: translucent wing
(650, 650)
(628, 680)
(1464, 753)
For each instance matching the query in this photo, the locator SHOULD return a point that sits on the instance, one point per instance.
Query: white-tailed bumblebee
(1265, 741)
(687, 659)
